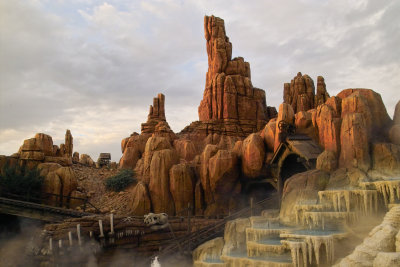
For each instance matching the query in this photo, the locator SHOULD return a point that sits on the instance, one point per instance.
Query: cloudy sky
(94, 66)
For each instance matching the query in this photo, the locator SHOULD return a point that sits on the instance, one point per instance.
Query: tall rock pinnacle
(229, 95)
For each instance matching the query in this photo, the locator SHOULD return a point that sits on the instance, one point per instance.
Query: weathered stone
(386, 158)
(208, 152)
(75, 157)
(286, 114)
(63, 161)
(68, 144)
(253, 153)
(181, 186)
(140, 204)
(161, 162)
(301, 187)
(303, 120)
(327, 161)
(32, 155)
(300, 93)
(210, 250)
(235, 235)
(342, 178)
(85, 159)
(354, 142)
(268, 134)
(185, 149)
(328, 128)
(153, 144)
(370, 104)
(199, 198)
(45, 143)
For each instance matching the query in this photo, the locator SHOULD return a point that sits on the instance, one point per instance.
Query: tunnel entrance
(291, 165)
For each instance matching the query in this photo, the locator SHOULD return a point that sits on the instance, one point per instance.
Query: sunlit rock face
(300, 93)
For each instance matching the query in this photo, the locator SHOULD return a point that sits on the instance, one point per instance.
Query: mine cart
(104, 160)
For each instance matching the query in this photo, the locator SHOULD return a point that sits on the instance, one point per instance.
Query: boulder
(161, 163)
(208, 152)
(354, 142)
(85, 159)
(268, 134)
(140, 203)
(253, 153)
(286, 114)
(327, 161)
(68, 180)
(370, 104)
(328, 126)
(75, 157)
(133, 149)
(185, 149)
(223, 174)
(386, 158)
(198, 199)
(181, 185)
(235, 235)
(303, 120)
(44, 143)
(153, 144)
(301, 187)
(343, 178)
(387, 259)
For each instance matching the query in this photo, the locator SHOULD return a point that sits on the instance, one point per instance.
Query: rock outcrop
(253, 153)
(181, 186)
(300, 93)
(231, 105)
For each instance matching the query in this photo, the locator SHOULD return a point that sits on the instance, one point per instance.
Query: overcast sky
(94, 66)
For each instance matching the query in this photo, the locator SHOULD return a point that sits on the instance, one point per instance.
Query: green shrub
(120, 181)
(21, 181)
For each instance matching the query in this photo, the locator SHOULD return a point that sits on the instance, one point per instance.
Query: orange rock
(208, 152)
(32, 155)
(140, 203)
(223, 178)
(370, 104)
(45, 143)
(253, 153)
(68, 144)
(153, 144)
(161, 163)
(354, 142)
(336, 105)
(300, 93)
(85, 159)
(286, 114)
(181, 186)
(230, 101)
(386, 159)
(328, 128)
(186, 149)
(303, 120)
(63, 161)
(327, 161)
(268, 134)
(75, 157)
(199, 199)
